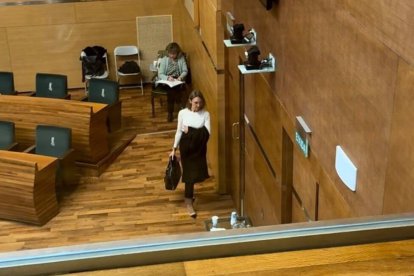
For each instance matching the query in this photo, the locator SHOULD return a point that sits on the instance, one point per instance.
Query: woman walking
(193, 132)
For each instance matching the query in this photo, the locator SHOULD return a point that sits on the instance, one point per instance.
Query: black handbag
(172, 174)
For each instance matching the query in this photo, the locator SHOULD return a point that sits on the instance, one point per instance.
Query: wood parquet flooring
(128, 200)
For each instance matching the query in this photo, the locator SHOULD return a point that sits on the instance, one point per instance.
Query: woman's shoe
(190, 209)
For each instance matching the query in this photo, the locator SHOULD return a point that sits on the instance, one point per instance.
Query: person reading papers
(171, 84)
(171, 75)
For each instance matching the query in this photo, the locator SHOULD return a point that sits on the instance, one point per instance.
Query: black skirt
(193, 151)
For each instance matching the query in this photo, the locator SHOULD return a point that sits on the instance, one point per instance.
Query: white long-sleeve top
(188, 118)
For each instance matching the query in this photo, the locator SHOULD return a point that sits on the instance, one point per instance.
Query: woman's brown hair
(195, 94)
(173, 47)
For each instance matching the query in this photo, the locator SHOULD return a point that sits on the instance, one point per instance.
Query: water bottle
(233, 219)
(214, 221)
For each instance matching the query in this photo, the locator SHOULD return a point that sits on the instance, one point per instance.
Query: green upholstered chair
(56, 141)
(53, 140)
(107, 92)
(7, 136)
(51, 86)
(7, 83)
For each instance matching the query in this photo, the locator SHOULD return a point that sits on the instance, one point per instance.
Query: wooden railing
(27, 187)
(87, 121)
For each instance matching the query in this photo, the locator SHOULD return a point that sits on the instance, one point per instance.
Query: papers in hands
(170, 83)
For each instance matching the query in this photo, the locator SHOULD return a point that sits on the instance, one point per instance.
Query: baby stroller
(94, 64)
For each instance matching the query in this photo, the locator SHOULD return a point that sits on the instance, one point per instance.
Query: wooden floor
(128, 200)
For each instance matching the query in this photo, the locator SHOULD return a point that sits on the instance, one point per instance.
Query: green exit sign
(302, 134)
(302, 143)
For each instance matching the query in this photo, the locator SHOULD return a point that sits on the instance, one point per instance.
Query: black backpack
(129, 67)
(93, 62)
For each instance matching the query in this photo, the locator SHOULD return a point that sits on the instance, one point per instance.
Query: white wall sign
(346, 169)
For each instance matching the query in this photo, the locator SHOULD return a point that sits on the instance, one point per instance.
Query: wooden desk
(87, 121)
(27, 187)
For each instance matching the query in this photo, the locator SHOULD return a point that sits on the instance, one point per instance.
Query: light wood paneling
(298, 213)
(351, 107)
(121, 10)
(4, 49)
(390, 23)
(262, 195)
(332, 204)
(232, 142)
(399, 189)
(210, 22)
(266, 122)
(304, 182)
(266, 125)
(37, 15)
(337, 68)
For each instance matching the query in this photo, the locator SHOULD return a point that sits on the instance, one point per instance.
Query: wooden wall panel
(339, 73)
(36, 15)
(332, 204)
(232, 146)
(4, 49)
(344, 95)
(209, 17)
(121, 10)
(390, 22)
(56, 49)
(298, 214)
(262, 193)
(265, 121)
(206, 79)
(399, 188)
(232, 126)
(304, 182)
(266, 124)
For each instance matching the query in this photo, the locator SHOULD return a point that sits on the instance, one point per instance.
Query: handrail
(196, 246)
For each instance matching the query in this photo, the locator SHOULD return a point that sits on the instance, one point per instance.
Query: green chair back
(51, 86)
(7, 83)
(7, 137)
(53, 140)
(103, 91)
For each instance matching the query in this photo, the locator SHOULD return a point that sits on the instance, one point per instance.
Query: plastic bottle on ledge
(214, 223)
(233, 219)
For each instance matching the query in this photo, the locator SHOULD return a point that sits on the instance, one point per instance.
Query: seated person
(173, 67)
